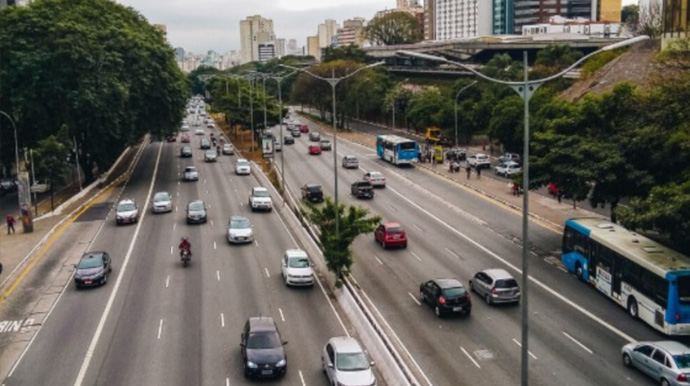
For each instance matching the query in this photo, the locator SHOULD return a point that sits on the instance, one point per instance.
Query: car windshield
(125, 207)
(262, 340)
(454, 292)
(682, 360)
(211, 153)
(506, 283)
(161, 197)
(299, 262)
(242, 163)
(375, 175)
(395, 230)
(684, 289)
(261, 193)
(314, 188)
(196, 205)
(190, 169)
(352, 361)
(93, 261)
(239, 223)
(325, 142)
(227, 146)
(482, 156)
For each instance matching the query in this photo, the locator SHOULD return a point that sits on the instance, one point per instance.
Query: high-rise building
(607, 10)
(462, 19)
(267, 51)
(313, 48)
(254, 30)
(352, 32)
(280, 48)
(503, 17)
(429, 25)
(14, 2)
(326, 31)
(539, 11)
(293, 49)
(179, 54)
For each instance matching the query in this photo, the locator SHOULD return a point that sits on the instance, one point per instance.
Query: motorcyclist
(185, 245)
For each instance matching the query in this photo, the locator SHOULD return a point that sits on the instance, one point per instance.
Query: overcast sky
(202, 25)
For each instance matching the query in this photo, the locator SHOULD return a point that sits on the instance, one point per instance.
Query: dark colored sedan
(362, 189)
(288, 140)
(312, 192)
(93, 269)
(196, 212)
(446, 296)
(262, 349)
(186, 152)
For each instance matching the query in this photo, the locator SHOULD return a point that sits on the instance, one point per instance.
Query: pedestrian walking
(10, 223)
(479, 172)
(469, 171)
(516, 189)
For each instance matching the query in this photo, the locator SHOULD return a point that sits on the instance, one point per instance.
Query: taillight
(441, 300)
(682, 377)
(677, 320)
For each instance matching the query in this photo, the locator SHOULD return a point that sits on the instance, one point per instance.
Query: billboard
(267, 147)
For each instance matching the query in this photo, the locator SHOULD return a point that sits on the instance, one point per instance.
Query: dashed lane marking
(577, 342)
(415, 255)
(517, 342)
(282, 317)
(160, 328)
(267, 273)
(414, 298)
(469, 356)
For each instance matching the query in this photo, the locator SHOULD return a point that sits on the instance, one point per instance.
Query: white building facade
(254, 30)
(462, 19)
(580, 26)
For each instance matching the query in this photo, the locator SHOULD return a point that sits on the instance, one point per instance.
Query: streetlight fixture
(16, 152)
(456, 109)
(525, 89)
(333, 81)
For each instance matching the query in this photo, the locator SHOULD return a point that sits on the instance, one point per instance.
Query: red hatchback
(390, 234)
(304, 128)
(314, 150)
(184, 138)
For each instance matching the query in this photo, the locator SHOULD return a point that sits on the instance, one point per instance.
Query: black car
(93, 269)
(262, 349)
(312, 192)
(186, 152)
(289, 140)
(457, 154)
(446, 296)
(362, 189)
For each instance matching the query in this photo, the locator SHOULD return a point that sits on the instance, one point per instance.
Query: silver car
(667, 362)
(127, 212)
(191, 174)
(239, 230)
(161, 203)
(345, 363)
(495, 286)
(211, 156)
(228, 150)
(350, 161)
(242, 167)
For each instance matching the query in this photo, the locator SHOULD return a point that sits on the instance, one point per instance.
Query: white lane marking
(160, 329)
(469, 356)
(452, 253)
(171, 249)
(178, 194)
(178, 183)
(418, 227)
(256, 242)
(222, 320)
(118, 282)
(577, 342)
(562, 269)
(516, 269)
(175, 208)
(227, 381)
(267, 273)
(282, 317)
(218, 275)
(415, 255)
(379, 260)
(520, 344)
(167, 281)
(174, 226)
(211, 220)
(301, 377)
(392, 207)
(414, 298)
(204, 180)
(214, 245)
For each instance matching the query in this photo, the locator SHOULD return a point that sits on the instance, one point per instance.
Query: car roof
(126, 201)
(346, 344)
(448, 283)
(498, 273)
(190, 168)
(262, 323)
(391, 224)
(296, 253)
(312, 185)
(510, 163)
(375, 173)
(349, 156)
(670, 346)
(92, 254)
(259, 188)
(242, 160)
(325, 140)
(196, 201)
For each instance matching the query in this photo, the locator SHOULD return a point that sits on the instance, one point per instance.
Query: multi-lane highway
(576, 335)
(157, 323)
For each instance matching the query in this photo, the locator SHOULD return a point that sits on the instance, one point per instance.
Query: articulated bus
(648, 279)
(397, 150)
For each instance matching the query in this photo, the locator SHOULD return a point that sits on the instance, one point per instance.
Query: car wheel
(404, 246)
(472, 287)
(487, 298)
(632, 308)
(665, 382)
(383, 244)
(421, 297)
(627, 361)
(105, 279)
(438, 312)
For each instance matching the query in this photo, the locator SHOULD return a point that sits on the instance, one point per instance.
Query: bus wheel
(632, 308)
(578, 271)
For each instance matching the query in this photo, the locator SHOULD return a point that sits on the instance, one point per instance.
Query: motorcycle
(454, 167)
(185, 256)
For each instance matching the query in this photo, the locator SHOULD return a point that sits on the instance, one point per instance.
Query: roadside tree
(393, 28)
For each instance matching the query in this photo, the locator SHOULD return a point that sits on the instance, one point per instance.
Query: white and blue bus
(650, 280)
(397, 150)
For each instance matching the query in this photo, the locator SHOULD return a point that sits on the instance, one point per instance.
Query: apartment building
(254, 30)
(352, 32)
(462, 19)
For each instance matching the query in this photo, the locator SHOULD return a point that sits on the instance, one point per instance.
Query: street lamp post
(526, 90)
(456, 109)
(333, 81)
(263, 78)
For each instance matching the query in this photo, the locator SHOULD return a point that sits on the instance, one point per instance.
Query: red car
(184, 138)
(390, 234)
(314, 149)
(172, 138)
(303, 128)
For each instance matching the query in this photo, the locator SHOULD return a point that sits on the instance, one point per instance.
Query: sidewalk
(542, 208)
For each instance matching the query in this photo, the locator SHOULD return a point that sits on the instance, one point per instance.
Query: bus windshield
(407, 146)
(684, 289)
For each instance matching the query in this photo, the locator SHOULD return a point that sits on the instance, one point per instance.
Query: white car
(260, 199)
(228, 150)
(210, 156)
(161, 203)
(191, 174)
(297, 269)
(376, 179)
(199, 131)
(242, 167)
(40, 186)
(277, 145)
(126, 212)
(350, 161)
(345, 363)
(508, 169)
(479, 160)
(239, 230)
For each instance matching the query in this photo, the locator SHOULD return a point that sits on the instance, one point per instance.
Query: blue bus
(648, 279)
(397, 150)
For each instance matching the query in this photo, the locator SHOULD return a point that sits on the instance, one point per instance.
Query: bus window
(568, 240)
(407, 146)
(683, 289)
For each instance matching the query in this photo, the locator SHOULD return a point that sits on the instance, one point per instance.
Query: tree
(507, 123)
(393, 28)
(665, 210)
(354, 221)
(196, 84)
(630, 13)
(94, 66)
(429, 108)
(350, 52)
(49, 159)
